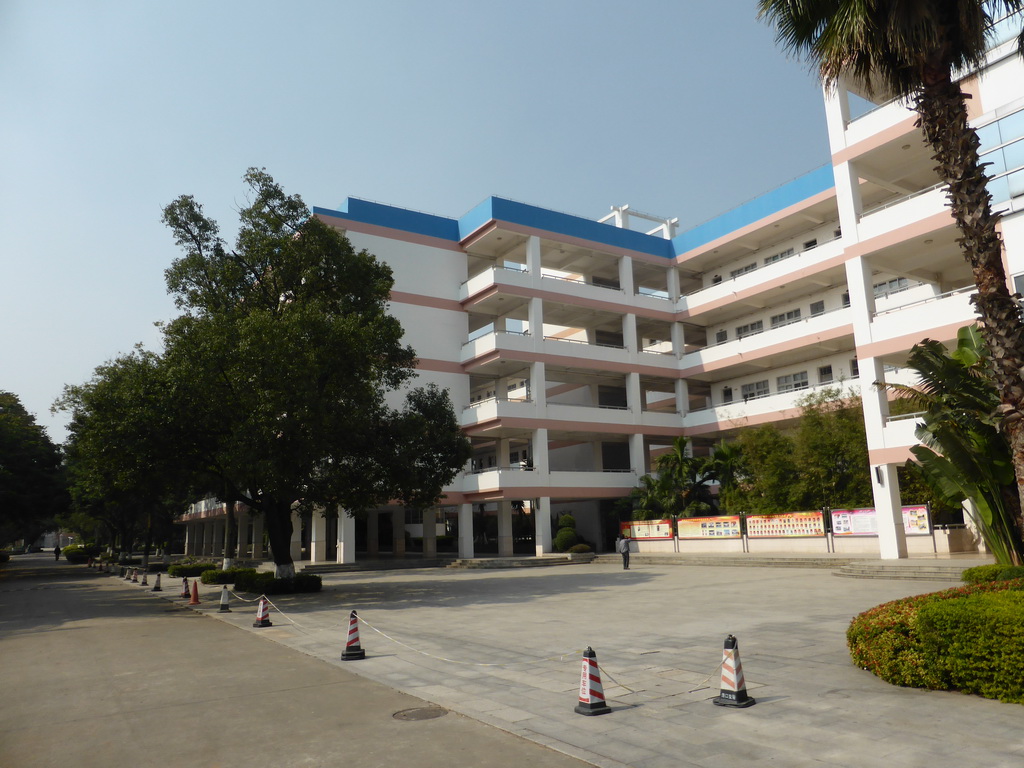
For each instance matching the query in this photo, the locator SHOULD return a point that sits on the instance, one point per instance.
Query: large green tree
(831, 451)
(32, 484)
(288, 353)
(917, 51)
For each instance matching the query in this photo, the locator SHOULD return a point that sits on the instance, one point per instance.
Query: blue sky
(113, 109)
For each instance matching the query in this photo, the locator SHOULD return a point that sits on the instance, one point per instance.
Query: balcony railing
(898, 200)
(928, 300)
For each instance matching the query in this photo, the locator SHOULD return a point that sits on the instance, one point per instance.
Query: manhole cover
(420, 713)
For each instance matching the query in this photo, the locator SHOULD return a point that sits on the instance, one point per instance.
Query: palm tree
(689, 478)
(914, 51)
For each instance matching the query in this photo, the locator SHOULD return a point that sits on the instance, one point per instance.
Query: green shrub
(567, 521)
(577, 549)
(75, 554)
(981, 573)
(912, 642)
(264, 583)
(1011, 572)
(190, 569)
(223, 577)
(564, 539)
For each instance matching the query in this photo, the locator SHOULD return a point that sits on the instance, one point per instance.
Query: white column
(837, 114)
(540, 451)
(629, 337)
(502, 452)
(398, 532)
(535, 319)
(295, 546)
(346, 537)
(533, 262)
(542, 526)
(190, 538)
(633, 398)
(538, 384)
(672, 283)
(207, 537)
(637, 454)
(678, 340)
(626, 275)
(466, 531)
(682, 397)
(430, 532)
(848, 198)
(885, 487)
(505, 548)
(318, 537)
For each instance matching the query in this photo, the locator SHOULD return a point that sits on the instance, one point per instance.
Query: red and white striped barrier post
(184, 586)
(144, 582)
(135, 575)
(591, 691)
(353, 650)
(734, 686)
(157, 587)
(263, 614)
(195, 593)
(224, 608)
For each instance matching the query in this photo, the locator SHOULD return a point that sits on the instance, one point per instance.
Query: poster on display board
(647, 529)
(709, 527)
(791, 524)
(864, 522)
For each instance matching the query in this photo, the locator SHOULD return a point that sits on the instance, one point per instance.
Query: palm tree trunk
(943, 117)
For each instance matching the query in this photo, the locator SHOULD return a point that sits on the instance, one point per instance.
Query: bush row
(264, 583)
(230, 576)
(190, 569)
(985, 573)
(965, 638)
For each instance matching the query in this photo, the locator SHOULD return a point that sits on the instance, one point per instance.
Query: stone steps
(378, 565)
(744, 561)
(521, 562)
(909, 572)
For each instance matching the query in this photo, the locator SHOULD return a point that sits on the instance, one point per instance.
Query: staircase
(909, 570)
(523, 562)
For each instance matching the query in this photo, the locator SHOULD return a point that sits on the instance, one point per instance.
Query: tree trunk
(943, 117)
(147, 541)
(230, 536)
(278, 521)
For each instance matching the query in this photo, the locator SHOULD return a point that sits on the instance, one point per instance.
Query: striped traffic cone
(195, 593)
(144, 582)
(135, 575)
(591, 692)
(184, 586)
(734, 687)
(263, 615)
(353, 650)
(224, 600)
(127, 573)
(157, 587)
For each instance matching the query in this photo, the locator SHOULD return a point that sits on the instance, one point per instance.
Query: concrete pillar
(318, 538)
(637, 454)
(430, 532)
(398, 532)
(501, 458)
(207, 537)
(372, 534)
(682, 397)
(626, 275)
(466, 531)
(672, 284)
(885, 487)
(678, 339)
(346, 550)
(542, 526)
(629, 337)
(837, 114)
(536, 321)
(540, 451)
(242, 520)
(533, 261)
(633, 396)
(539, 384)
(505, 548)
(257, 537)
(295, 545)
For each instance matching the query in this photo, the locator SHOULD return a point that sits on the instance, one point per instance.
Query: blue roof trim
(788, 194)
(391, 217)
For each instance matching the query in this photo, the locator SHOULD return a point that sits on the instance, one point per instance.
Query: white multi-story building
(577, 349)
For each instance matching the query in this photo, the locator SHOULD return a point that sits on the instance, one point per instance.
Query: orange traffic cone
(263, 615)
(591, 692)
(353, 650)
(734, 687)
(195, 592)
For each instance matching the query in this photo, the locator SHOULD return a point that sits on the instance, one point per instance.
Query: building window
(854, 368)
(750, 329)
(811, 244)
(785, 318)
(726, 394)
(846, 299)
(825, 374)
(755, 390)
(778, 256)
(721, 337)
(1018, 284)
(887, 287)
(743, 270)
(838, 232)
(791, 382)
(817, 308)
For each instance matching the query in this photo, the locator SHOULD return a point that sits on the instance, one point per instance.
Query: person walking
(56, 552)
(622, 547)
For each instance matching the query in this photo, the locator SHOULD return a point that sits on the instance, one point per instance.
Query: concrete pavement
(503, 648)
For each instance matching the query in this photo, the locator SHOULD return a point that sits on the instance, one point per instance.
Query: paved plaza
(503, 647)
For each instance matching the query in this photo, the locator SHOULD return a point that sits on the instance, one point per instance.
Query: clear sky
(109, 110)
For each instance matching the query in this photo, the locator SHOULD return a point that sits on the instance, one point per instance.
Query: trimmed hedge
(224, 577)
(577, 549)
(190, 569)
(565, 539)
(264, 583)
(75, 554)
(980, 574)
(957, 639)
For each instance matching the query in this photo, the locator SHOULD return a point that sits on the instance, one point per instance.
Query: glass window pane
(1013, 155)
(1011, 127)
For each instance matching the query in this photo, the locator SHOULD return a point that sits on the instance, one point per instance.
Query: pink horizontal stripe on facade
(736, 422)
(759, 224)
(903, 343)
(620, 307)
(440, 366)
(876, 140)
(576, 362)
(902, 234)
(520, 422)
(774, 349)
(898, 455)
(418, 300)
(388, 233)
